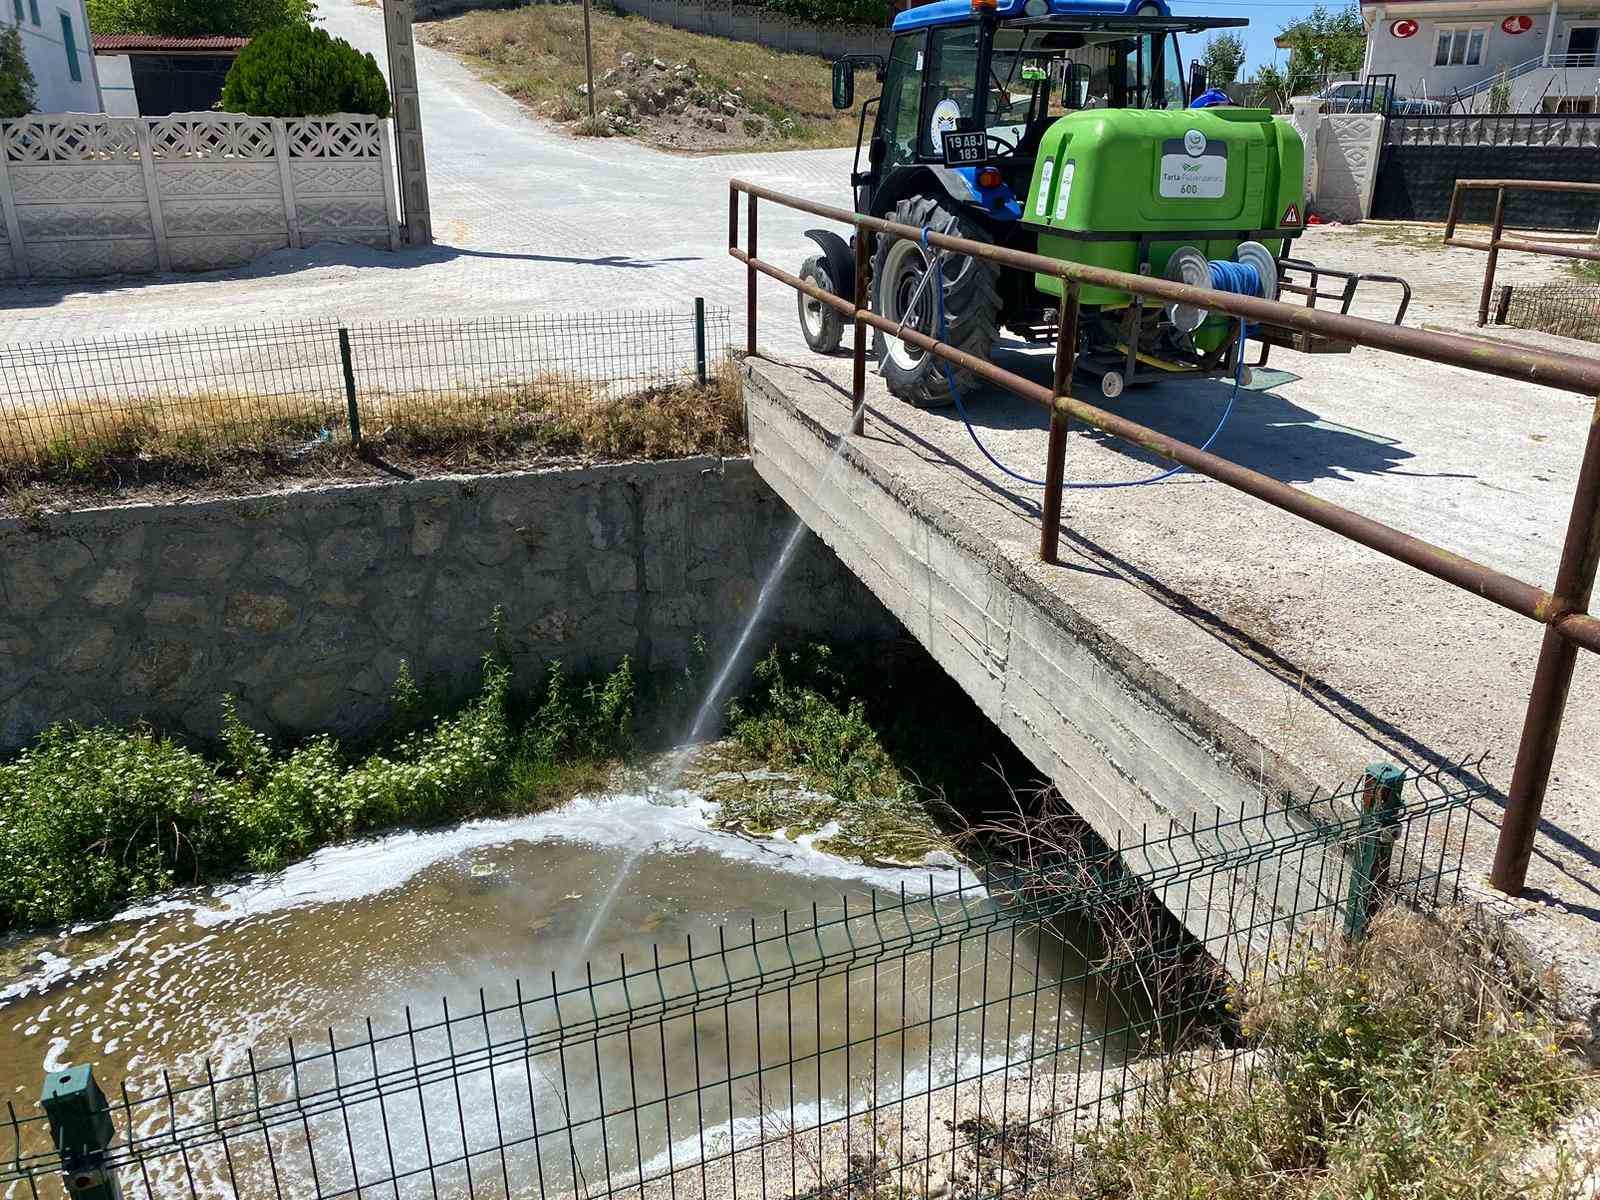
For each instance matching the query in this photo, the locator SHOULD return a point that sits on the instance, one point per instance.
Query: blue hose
(1225, 276)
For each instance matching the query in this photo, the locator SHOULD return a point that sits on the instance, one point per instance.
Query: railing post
(1374, 848)
(348, 364)
(700, 339)
(1055, 465)
(1547, 702)
(750, 277)
(80, 1127)
(1455, 211)
(1502, 305)
(858, 363)
(1494, 255)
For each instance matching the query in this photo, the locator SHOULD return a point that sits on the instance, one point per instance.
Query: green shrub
(299, 71)
(16, 77)
(186, 18)
(93, 818)
(834, 12)
(90, 817)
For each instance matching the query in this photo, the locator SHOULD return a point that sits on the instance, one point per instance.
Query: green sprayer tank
(1120, 188)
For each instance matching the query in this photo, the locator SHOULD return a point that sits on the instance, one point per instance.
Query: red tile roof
(122, 43)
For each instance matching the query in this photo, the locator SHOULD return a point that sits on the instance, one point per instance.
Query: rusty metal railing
(1497, 239)
(1562, 611)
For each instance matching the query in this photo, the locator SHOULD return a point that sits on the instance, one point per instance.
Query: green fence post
(1374, 848)
(350, 385)
(80, 1126)
(700, 339)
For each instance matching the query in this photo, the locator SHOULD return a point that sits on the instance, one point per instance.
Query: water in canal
(391, 929)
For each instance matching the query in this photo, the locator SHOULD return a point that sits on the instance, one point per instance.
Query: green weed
(91, 819)
(799, 717)
(1589, 272)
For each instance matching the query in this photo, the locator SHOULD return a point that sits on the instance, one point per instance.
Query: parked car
(1352, 95)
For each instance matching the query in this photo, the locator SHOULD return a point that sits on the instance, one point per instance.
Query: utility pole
(588, 57)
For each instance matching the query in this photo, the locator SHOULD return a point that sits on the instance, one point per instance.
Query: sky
(1266, 18)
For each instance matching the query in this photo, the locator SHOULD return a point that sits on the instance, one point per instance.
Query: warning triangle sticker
(1291, 215)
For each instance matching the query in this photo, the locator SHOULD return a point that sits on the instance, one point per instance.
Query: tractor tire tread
(972, 304)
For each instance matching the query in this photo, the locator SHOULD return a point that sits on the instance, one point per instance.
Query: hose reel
(1253, 271)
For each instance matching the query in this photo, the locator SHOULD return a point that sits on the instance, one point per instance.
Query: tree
(1271, 87)
(16, 77)
(1222, 58)
(302, 71)
(1324, 42)
(197, 18)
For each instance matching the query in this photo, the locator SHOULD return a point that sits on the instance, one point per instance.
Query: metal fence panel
(1568, 309)
(971, 1031)
(280, 388)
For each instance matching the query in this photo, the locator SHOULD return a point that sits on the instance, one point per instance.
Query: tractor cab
(997, 76)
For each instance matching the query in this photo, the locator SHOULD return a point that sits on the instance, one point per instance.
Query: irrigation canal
(389, 929)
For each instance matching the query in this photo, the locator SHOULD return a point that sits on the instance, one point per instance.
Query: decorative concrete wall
(304, 604)
(1348, 149)
(97, 195)
(1342, 155)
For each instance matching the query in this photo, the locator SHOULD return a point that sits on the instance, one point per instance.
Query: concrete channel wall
(304, 604)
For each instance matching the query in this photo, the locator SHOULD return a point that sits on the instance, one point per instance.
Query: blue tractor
(1063, 128)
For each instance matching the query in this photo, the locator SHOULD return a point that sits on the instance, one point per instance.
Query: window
(1582, 42)
(902, 86)
(16, 6)
(1459, 46)
(33, 11)
(70, 42)
(1174, 87)
(952, 80)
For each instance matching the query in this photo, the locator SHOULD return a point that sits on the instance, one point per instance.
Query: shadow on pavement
(46, 292)
(1265, 432)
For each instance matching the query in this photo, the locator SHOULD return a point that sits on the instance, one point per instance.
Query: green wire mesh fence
(962, 1038)
(282, 388)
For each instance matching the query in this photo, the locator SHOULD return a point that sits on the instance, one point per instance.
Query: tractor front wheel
(902, 292)
(820, 324)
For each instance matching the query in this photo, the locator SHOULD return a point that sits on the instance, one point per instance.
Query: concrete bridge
(1196, 649)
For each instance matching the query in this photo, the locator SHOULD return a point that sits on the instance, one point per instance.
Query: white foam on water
(633, 823)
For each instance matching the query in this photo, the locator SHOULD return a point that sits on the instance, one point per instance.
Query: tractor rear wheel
(901, 291)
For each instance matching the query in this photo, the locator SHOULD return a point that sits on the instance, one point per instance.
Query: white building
(1545, 59)
(55, 38)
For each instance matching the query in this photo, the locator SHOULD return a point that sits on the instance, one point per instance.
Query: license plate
(965, 149)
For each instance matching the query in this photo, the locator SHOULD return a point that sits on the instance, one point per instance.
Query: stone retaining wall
(305, 604)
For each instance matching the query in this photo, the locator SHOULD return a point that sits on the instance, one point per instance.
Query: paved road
(527, 219)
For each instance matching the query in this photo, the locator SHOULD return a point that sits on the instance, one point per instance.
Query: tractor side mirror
(1197, 81)
(844, 83)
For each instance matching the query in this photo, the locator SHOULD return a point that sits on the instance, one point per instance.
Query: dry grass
(535, 54)
(1415, 1064)
(114, 444)
(1587, 271)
